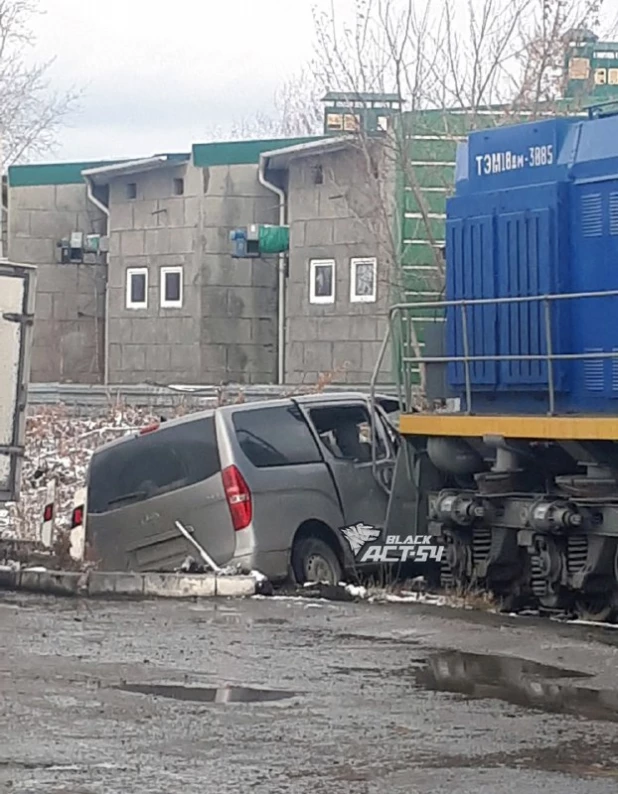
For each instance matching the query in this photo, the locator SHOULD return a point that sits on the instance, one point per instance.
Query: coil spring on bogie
(447, 581)
(481, 544)
(537, 579)
(577, 552)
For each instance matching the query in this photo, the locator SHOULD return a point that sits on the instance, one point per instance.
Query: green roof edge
(35, 175)
(242, 152)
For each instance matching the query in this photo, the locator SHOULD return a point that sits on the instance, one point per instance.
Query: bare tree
(542, 77)
(297, 104)
(296, 113)
(30, 112)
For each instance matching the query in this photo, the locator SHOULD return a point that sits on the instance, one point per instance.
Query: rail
(407, 362)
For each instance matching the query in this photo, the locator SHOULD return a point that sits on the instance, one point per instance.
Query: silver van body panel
(140, 535)
(324, 488)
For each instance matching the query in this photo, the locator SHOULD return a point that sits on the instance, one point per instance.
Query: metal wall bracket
(14, 317)
(9, 449)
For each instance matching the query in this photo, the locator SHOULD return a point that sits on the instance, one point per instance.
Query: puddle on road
(231, 694)
(519, 682)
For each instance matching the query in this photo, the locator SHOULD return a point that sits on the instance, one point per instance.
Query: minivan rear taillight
(238, 497)
(77, 517)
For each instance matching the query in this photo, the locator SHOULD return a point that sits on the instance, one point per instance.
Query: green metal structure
(591, 67)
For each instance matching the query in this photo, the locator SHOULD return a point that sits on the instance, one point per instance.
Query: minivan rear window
(277, 436)
(156, 463)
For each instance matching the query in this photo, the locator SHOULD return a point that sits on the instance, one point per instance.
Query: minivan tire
(313, 560)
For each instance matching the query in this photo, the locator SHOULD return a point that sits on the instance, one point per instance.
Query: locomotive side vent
(593, 370)
(615, 371)
(613, 214)
(592, 215)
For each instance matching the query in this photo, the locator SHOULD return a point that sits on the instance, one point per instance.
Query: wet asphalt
(270, 695)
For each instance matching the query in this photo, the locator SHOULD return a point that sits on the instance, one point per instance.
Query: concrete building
(163, 300)
(159, 298)
(179, 307)
(47, 203)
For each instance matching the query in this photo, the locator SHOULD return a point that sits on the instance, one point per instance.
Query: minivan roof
(302, 399)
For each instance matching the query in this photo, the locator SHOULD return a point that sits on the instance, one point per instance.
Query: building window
(363, 278)
(171, 287)
(600, 76)
(137, 288)
(318, 175)
(179, 187)
(322, 281)
(132, 190)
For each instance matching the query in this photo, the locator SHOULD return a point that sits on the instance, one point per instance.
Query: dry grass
(389, 588)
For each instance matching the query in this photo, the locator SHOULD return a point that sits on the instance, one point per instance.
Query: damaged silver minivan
(267, 486)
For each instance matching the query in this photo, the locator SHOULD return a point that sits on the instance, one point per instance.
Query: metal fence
(95, 397)
(401, 320)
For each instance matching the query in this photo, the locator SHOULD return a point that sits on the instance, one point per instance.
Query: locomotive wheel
(597, 608)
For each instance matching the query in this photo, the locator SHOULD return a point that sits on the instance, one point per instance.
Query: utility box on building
(259, 240)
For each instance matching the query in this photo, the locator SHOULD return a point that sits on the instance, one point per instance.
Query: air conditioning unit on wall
(76, 248)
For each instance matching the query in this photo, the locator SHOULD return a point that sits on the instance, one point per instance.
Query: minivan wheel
(313, 560)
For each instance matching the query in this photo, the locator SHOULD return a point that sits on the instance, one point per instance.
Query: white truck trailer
(17, 294)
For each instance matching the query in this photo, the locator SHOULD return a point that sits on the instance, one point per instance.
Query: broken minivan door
(344, 431)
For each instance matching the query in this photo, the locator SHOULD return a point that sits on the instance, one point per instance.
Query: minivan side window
(345, 430)
(159, 462)
(277, 436)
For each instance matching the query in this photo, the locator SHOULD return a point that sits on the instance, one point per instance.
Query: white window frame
(136, 271)
(171, 304)
(354, 263)
(313, 265)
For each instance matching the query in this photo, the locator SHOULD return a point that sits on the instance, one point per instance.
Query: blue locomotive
(519, 474)
(536, 214)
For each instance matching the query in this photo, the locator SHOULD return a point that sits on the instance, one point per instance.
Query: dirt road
(294, 696)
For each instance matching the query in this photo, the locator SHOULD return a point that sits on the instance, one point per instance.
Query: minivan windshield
(172, 457)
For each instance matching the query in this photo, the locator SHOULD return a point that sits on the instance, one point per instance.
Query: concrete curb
(95, 584)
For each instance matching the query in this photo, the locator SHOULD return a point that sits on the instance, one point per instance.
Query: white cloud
(158, 76)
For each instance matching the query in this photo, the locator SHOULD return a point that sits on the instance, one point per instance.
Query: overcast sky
(159, 76)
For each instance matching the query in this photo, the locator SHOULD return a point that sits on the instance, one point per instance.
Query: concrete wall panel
(69, 314)
(336, 219)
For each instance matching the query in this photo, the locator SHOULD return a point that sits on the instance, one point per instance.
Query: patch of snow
(297, 599)
(230, 570)
(581, 622)
(411, 598)
(358, 591)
